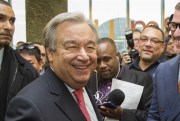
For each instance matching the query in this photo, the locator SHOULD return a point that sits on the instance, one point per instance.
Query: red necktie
(80, 99)
(179, 86)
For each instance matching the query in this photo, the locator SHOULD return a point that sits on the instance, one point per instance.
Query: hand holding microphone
(110, 109)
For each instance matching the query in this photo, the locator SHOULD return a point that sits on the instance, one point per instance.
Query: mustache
(6, 34)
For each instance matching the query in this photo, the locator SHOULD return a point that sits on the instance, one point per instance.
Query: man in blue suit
(165, 104)
(70, 44)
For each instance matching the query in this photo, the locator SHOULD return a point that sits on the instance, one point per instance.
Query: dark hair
(177, 7)
(5, 3)
(109, 40)
(29, 49)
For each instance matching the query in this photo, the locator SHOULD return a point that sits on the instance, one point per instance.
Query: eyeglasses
(174, 26)
(43, 54)
(26, 46)
(152, 40)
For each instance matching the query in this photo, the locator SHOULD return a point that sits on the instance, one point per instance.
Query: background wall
(39, 13)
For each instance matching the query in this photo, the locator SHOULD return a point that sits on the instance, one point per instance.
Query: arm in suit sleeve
(22, 109)
(140, 114)
(153, 114)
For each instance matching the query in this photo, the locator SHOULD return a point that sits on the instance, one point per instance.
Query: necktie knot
(79, 95)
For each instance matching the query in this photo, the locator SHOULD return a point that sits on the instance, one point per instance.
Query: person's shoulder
(25, 66)
(35, 88)
(171, 61)
(138, 77)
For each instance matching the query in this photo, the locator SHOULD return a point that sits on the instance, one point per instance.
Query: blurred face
(107, 61)
(150, 45)
(32, 60)
(75, 58)
(170, 47)
(43, 54)
(176, 30)
(136, 36)
(7, 19)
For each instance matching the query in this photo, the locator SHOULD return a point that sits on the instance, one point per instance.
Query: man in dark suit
(70, 45)
(165, 104)
(15, 72)
(108, 67)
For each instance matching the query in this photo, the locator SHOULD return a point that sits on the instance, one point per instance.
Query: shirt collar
(1, 56)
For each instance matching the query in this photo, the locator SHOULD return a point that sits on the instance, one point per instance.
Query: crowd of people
(70, 76)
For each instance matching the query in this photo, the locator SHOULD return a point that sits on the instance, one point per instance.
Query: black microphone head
(129, 38)
(116, 97)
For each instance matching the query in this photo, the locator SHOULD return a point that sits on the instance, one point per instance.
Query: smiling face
(149, 51)
(176, 32)
(75, 57)
(7, 19)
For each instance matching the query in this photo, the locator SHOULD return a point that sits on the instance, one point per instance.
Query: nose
(83, 55)
(176, 33)
(8, 26)
(102, 64)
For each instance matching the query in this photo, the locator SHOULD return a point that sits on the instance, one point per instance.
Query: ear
(163, 47)
(49, 55)
(118, 55)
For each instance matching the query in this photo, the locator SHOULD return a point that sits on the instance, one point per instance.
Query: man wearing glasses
(151, 46)
(165, 104)
(32, 54)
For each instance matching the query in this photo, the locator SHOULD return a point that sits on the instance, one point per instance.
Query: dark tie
(80, 99)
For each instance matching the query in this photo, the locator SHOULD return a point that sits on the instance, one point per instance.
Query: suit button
(161, 109)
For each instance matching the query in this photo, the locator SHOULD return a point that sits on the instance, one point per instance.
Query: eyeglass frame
(152, 40)
(175, 27)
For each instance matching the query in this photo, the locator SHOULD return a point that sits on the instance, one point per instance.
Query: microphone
(115, 98)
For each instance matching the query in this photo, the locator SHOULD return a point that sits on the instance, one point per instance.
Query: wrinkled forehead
(152, 32)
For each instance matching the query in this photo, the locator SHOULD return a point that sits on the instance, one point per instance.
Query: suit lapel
(63, 98)
(68, 105)
(172, 90)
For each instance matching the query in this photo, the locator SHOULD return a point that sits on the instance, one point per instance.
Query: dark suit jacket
(15, 74)
(166, 99)
(136, 77)
(46, 99)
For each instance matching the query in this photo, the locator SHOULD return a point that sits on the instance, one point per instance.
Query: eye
(12, 21)
(90, 49)
(106, 59)
(144, 39)
(2, 18)
(155, 40)
(71, 48)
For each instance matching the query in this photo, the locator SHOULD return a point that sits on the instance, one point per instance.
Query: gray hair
(177, 7)
(49, 32)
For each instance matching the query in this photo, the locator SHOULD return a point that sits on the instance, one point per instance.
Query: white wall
(20, 24)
